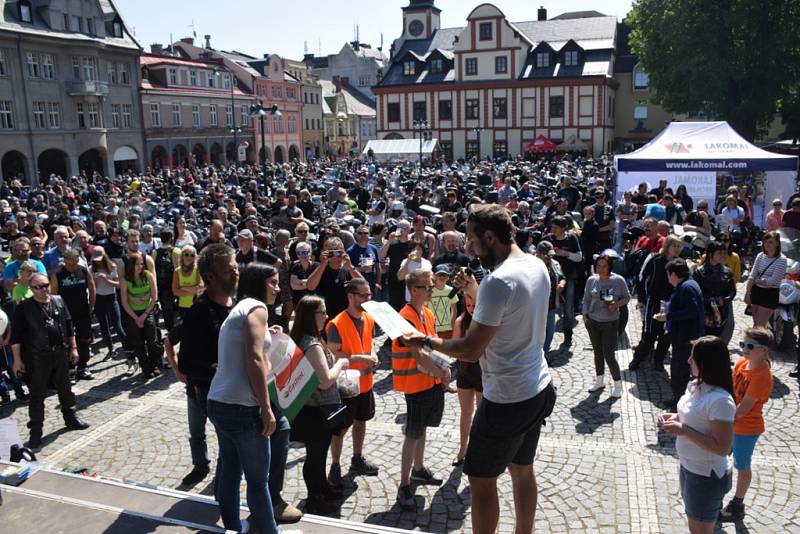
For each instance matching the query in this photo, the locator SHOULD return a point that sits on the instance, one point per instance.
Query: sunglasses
(301, 253)
(40, 287)
(302, 231)
(362, 233)
(188, 255)
(749, 345)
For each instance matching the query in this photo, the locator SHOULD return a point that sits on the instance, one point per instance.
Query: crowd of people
(195, 270)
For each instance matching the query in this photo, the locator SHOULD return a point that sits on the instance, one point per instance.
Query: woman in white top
(703, 427)
(239, 404)
(413, 262)
(765, 279)
(183, 236)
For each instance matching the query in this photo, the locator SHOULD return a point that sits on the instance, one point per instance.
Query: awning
(540, 144)
(125, 153)
(573, 143)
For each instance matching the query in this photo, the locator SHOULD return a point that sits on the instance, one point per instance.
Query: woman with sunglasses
(765, 279)
(703, 428)
(309, 427)
(186, 282)
(300, 271)
(139, 298)
(683, 198)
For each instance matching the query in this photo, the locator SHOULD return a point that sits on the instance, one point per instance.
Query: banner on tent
(698, 184)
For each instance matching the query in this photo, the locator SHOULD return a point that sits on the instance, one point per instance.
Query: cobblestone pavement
(601, 465)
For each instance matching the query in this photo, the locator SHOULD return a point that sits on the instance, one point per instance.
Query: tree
(735, 59)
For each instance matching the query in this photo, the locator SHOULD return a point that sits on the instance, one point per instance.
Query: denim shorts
(743, 450)
(702, 496)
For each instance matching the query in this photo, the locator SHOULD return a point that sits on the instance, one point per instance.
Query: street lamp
(260, 111)
(234, 129)
(423, 128)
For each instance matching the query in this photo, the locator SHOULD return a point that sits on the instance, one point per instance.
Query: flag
(292, 379)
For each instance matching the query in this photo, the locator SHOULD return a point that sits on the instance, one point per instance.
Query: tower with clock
(420, 19)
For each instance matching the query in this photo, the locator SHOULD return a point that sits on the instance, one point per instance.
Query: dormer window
(25, 11)
(542, 60)
(436, 66)
(116, 29)
(485, 31)
(409, 68)
(571, 58)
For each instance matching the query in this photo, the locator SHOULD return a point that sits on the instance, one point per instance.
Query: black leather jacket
(715, 282)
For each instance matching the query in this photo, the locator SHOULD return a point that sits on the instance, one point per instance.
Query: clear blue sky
(260, 26)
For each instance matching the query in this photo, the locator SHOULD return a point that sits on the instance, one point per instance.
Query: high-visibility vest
(352, 343)
(406, 378)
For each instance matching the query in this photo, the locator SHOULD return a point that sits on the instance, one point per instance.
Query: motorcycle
(788, 311)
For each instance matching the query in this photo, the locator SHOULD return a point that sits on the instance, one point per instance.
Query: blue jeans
(242, 448)
(551, 329)
(106, 308)
(196, 401)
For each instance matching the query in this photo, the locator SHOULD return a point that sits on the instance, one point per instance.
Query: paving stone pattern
(602, 466)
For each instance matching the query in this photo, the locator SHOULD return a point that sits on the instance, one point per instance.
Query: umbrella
(540, 144)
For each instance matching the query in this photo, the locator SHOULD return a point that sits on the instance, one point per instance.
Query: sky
(267, 26)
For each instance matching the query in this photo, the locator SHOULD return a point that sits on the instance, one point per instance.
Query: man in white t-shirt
(507, 336)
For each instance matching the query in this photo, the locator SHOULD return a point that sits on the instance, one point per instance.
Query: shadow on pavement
(591, 414)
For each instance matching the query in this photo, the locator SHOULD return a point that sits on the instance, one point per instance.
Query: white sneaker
(617, 391)
(598, 384)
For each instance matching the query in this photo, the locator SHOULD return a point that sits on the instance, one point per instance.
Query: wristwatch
(426, 343)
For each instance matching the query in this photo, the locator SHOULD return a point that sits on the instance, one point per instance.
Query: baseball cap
(442, 268)
(246, 234)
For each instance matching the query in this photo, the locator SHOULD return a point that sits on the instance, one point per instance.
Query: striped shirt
(771, 269)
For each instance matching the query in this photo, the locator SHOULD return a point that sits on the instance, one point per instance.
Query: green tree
(735, 59)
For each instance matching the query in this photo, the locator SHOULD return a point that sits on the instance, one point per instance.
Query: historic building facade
(69, 82)
(313, 126)
(349, 118)
(359, 62)
(491, 87)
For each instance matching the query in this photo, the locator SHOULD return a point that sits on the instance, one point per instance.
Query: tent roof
(400, 146)
(573, 143)
(701, 146)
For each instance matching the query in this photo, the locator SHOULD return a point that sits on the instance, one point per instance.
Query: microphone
(468, 271)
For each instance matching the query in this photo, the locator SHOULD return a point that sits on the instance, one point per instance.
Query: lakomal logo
(726, 147)
(678, 148)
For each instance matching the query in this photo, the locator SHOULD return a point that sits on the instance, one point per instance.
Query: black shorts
(469, 376)
(359, 408)
(423, 409)
(504, 434)
(766, 297)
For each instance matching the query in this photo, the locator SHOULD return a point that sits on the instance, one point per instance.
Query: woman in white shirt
(703, 427)
(413, 262)
(239, 404)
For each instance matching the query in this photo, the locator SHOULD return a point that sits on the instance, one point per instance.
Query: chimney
(541, 13)
(188, 40)
(208, 41)
(344, 81)
(337, 82)
(156, 49)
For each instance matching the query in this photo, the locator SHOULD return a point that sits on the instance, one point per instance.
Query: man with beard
(507, 334)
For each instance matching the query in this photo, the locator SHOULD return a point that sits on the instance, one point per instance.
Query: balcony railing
(87, 88)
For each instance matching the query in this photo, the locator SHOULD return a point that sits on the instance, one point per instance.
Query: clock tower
(420, 19)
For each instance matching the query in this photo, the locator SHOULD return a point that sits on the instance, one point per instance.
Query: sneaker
(132, 367)
(195, 476)
(425, 476)
(732, 512)
(406, 499)
(73, 378)
(85, 374)
(335, 476)
(286, 513)
(795, 373)
(362, 466)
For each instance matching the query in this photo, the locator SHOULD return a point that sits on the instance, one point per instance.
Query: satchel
(334, 416)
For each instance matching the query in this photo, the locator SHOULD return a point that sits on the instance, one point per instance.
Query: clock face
(415, 28)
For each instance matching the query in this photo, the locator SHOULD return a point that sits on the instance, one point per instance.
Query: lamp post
(235, 130)
(423, 128)
(260, 111)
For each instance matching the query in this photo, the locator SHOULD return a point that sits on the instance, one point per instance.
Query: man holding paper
(419, 377)
(508, 329)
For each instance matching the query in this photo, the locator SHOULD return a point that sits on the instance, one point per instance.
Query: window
(173, 76)
(81, 116)
(76, 23)
(90, 26)
(499, 149)
(115, 109)
(25, 14)
(116, 29)
(471, 66)
(485, 31)
(445, 110)
(155, 116)
(571, 58)
(277, 92)
(127, 115)
(195, 115)
(33, 65)
(305, 98)
(6, 117)
(89, 68)
(290, 93)
(640, 112)
(472, 110)
(556, 107)
(641, 80)
(3, 62)
(76, 68)
(48, 67)
(473, 149)
(409, 68)
(436, 66)
(212, 111)
(292, 122)
(500, 65)
(93, 112)
(228, 116)
(277, 124)
(244, 119)
(420, 111)
(306, 125)
(447, 150)
(112, 72)
(363, 81)
(193, 78)
(500, 108)
(542, 60)
(226, 81)
(66, 22)
(123, 74)
(39, 121)
(54, 115)
(176, 115)
(393, 111)
(210, 79)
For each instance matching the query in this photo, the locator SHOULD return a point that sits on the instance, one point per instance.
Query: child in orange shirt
(752, 386)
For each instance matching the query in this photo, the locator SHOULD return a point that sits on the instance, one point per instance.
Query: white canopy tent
(692, 153)
(400, 149)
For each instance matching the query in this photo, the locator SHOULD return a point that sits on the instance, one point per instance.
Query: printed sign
(388, 319)
(292, 379)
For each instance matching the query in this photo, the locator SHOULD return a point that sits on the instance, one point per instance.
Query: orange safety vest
(406, 378)
(353, 344)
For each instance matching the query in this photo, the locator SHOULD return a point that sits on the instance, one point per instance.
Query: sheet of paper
(388, 319)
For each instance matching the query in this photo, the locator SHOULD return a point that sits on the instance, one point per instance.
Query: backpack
(634, 262)
(164, 267)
